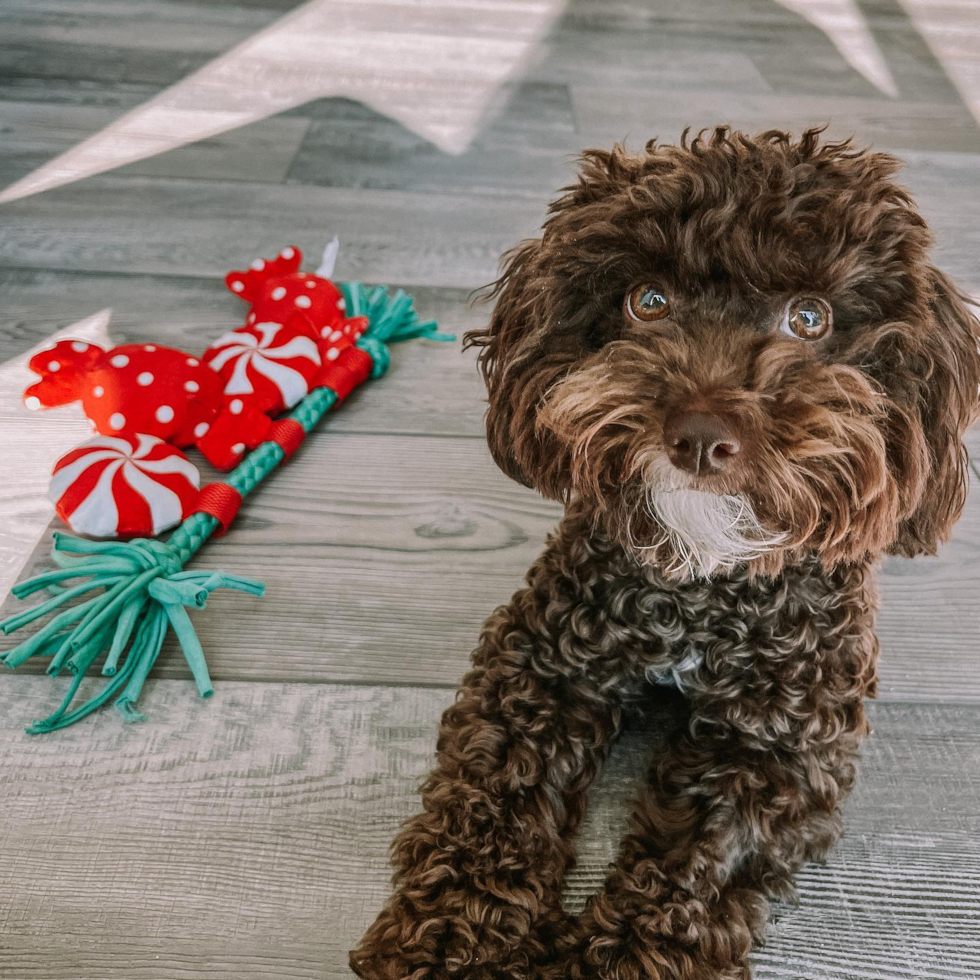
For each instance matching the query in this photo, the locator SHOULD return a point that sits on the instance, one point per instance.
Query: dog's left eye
(646, 303)
(808, 317)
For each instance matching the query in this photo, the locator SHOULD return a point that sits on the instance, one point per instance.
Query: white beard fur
(707, 532)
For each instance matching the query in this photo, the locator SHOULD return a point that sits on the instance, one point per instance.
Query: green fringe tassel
(140, 590)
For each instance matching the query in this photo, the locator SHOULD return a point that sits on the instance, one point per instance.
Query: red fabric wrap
(342, 376)
(221, 501)
(288, 434)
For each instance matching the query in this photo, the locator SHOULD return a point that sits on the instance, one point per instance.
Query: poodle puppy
(733, 362)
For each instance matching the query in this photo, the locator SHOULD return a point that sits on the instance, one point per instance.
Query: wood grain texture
(204, 228)
(604, 115)
(438, 73)
(34, 133)
(642, 60)
(245, 837)
(121, 41)
(129, 25)
(382, 556)
(523, 152)
(792, 54)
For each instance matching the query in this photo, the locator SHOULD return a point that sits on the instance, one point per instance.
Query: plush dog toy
(297, 322)
(148, 401)
(734, 363)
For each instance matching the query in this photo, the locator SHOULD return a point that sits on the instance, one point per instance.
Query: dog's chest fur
(709, 635)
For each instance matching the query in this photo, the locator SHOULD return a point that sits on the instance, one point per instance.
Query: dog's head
(735, 350)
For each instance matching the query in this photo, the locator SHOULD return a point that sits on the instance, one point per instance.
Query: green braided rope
(193, 532)
(141, 590)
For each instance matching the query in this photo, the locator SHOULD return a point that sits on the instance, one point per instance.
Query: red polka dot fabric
(136, 388)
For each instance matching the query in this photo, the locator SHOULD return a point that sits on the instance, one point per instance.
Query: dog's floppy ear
(503, 361)
(947, 404)
(534, 333)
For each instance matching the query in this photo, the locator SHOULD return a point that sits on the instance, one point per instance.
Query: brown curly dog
(734, 364)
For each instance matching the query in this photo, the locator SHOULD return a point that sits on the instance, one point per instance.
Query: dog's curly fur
(851, 449)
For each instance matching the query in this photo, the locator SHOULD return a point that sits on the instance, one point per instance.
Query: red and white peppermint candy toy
(124, 486)
(268, 366)
(276, 289)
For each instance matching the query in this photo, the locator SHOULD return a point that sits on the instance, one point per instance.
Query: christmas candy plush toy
(306, 344)
(142, 395)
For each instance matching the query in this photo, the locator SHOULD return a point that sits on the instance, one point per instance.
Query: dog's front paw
(406, 943)
(402, 944)
(615, 958)
(408, 965)
(375, 965)
(604, 958)
(369, 962)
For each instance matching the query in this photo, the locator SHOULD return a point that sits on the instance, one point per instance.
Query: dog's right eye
(646, 303)
(808, 317)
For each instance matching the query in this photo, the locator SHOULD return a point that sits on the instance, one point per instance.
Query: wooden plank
(435, 67)
(204, 228)
(644, 61)
(35, 133)
(435, 385)
(115, 51)
(121, 42)
(805, 62)
(98, 62)
(605, 115)
(941, 182)
(390, 569)
(135, 27)
(748, 19)
(522, 105)
(246, 837)
(74, 92)
(924, 46)
(384, 554)
(524, 151)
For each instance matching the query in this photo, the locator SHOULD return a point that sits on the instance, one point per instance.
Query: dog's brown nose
(699, 443)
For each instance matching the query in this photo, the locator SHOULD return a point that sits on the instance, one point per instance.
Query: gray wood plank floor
(245, 837)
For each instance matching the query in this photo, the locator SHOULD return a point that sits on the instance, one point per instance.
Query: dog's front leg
(478, 873)
(737, 806)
